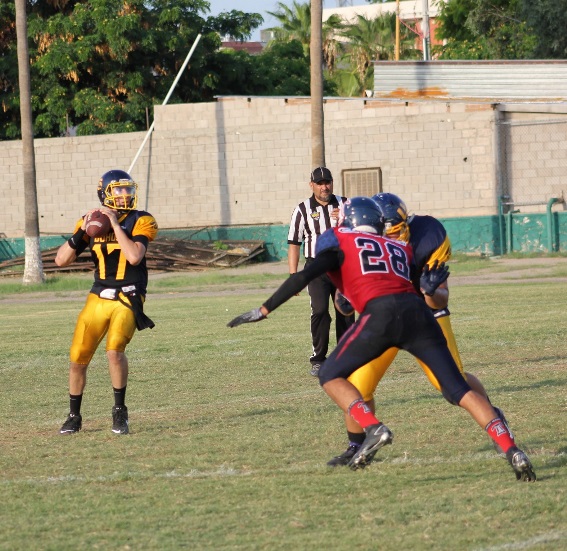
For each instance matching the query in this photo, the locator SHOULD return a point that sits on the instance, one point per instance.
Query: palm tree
(317, 114)
(33, 270)
(295, 24)
(332, 48)
(374, 39)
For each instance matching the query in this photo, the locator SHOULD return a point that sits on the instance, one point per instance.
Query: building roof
(253, 48)
(410, 10)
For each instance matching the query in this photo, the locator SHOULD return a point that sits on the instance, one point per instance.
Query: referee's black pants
(320, 291)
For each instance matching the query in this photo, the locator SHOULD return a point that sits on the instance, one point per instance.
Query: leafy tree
(504, 31)
(484, 29)
(296, 25)
(286, 69)
(98, 65)
(346, 83)
(374, 39)
(9, 95)
(548, 20)
(281, 69)
(235, 24)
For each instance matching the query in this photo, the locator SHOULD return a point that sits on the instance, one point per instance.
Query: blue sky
(262, 7)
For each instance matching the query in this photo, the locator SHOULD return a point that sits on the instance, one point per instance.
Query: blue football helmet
(362, 214)
(395, 215)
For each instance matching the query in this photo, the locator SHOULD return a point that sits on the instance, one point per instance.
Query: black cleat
(120, 420)
(345, 457)
(521, 465)
(502, 417)
(315, 369)
(377, 436)
(72, 425)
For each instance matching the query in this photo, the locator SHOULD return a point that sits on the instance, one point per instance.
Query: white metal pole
(172, 88)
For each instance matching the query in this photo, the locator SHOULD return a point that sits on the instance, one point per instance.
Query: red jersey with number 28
(373, 265)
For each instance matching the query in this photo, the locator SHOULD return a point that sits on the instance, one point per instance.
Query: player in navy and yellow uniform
(375, 274)
(114, 306)
(431, 245)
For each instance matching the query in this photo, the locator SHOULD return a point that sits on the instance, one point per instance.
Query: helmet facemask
(121, 196)
(400, 232)
(118, 191)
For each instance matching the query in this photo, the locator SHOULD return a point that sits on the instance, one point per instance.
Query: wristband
(76, 238)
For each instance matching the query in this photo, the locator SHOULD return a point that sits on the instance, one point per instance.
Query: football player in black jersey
(430, 245)
(114, 306)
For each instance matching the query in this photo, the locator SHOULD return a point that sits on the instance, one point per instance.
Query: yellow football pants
(366, 378)
(100, 317)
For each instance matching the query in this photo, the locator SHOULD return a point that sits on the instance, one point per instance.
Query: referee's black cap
(321, 173)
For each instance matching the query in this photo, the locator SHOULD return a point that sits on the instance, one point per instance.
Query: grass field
(230, 434)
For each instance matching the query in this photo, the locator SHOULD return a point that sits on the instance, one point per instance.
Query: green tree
(235, 24)
(9, 96)
(484, 29)
(548, 21)
(286, 70)
(98, 65)
(374, 39)
(281, 69)
(295, 24)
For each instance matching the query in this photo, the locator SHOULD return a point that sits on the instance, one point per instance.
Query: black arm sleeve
(325, 262)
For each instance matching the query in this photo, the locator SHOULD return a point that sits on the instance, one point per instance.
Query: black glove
(342, 304)
(432, 277)
(247, 317)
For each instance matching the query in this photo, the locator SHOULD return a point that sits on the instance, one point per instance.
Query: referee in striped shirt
(310, 219)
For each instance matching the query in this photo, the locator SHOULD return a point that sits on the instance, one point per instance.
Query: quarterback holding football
(114, 308)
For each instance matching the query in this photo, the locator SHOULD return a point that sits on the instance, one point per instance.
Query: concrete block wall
(67, 174)
(246, 161)
(250, 162)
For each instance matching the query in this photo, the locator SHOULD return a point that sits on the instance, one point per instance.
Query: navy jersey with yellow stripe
(112, 270)
(430, 242)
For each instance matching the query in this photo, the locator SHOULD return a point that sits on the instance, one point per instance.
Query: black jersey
(112, 270)
(430, 242)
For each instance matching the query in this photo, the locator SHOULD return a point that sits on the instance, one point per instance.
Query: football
(98, 224)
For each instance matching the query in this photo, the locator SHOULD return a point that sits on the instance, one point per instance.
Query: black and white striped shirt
(310, 219)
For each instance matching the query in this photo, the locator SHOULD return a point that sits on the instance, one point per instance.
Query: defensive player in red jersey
(430, 244)
(114, 306)
(374, 273)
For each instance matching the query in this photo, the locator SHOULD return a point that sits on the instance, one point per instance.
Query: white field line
(546, 537)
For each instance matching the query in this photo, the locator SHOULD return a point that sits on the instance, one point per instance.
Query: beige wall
(244, 161)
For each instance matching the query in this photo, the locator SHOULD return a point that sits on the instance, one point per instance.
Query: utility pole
(397, 47)
(425, 31)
